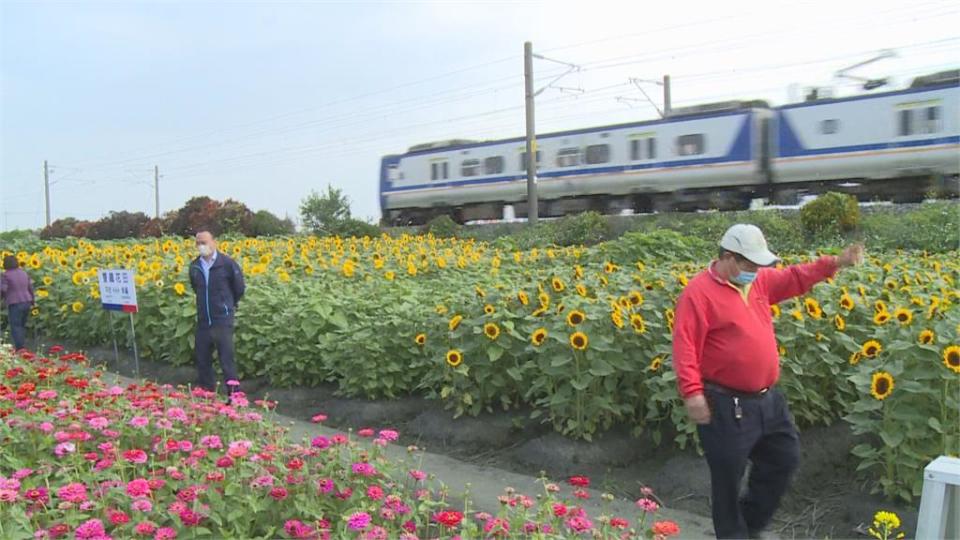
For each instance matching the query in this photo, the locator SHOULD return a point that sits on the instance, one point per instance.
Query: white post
(940, 503)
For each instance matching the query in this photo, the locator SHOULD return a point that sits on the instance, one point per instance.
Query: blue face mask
(745, 278)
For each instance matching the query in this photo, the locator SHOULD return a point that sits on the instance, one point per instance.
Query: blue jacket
(217, 300)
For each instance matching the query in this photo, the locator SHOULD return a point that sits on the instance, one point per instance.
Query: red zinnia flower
(449, 518)
(579, 481)
(665, 528)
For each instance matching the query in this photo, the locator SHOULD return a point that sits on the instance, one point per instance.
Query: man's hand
(697, 409)
(851, 256)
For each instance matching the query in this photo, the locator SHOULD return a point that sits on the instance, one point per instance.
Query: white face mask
(204, 250)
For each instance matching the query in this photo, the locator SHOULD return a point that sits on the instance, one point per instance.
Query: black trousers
(767, 437)
(18, 323)
(221, 338)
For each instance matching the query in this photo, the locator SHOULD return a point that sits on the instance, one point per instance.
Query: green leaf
(494, 353)
(892, 439)
(601, 368)
(934, 423)
(560, 361)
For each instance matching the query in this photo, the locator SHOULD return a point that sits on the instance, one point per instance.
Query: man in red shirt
(726, 360)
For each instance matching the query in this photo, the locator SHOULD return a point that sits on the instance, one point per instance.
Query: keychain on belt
(737, 410)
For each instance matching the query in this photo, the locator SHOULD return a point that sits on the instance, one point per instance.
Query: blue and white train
(897, 145)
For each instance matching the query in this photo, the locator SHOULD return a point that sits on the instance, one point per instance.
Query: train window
(568, 157)
(635, 150)
(906, 122)
(932, 117)
(598, 153)
(470, 167)
(651, 148)
(691, 145)
(393, 173)
(433, 171)
(523, 160)
(446, 170)
(493, 165)
(829, 126)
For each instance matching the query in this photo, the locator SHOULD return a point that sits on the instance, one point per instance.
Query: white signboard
(118, 291)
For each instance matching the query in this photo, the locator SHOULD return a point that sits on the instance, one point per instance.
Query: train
(899, 145)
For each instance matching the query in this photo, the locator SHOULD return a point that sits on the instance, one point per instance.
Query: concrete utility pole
(156, 192)
(46, 189)
(666, 96)
(532, 209)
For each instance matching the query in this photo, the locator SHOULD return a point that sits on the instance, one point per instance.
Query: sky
(263, 102)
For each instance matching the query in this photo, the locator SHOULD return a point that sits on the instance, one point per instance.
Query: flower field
(578, 336)
(81, 458)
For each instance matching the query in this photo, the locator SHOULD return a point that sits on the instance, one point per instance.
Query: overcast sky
(264, 102)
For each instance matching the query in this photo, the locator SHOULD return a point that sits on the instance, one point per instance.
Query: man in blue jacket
(217, 281)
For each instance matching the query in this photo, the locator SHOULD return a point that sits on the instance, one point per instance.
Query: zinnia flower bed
(81, 458)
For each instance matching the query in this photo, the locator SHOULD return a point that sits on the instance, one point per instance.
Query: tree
(264, 223)
(323, 213)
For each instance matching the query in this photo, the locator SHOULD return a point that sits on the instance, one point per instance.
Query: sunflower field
(580, 337)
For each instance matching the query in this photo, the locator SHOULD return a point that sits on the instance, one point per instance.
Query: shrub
(442, 226)
(263, 223)
(355, 227)
(587, 228)
(830, 214)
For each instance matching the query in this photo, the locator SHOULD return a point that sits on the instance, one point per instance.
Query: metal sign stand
(136, 355)
(113, 334)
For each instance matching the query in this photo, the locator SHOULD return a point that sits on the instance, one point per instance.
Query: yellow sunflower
(871, 348)
(926, 337)
(489, 309)
(575, 317)
(491, 330)
(813, 307)
(179, 288)
(903, 315)
(881, 318)
(454, 357)
(42, 293)
(839, 322)
(846, 302)
(420, 340)
(636, 299)
(879, 306)
(855, 357)
(638, 324)
(775, 311)
(617, 318)
(655, 364)
(579, 341)
(557, 284)
(881, 386)
(544, 300)
(951, 358)
(609, 267)
(538, 337)
(581, 289)
(455, 322)
(47, 280)
(523, 298)
(479, 291)
(77, 307)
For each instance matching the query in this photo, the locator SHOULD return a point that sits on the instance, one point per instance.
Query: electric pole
(156, 192)
(666, 96)
(46, 189)
(532, 210)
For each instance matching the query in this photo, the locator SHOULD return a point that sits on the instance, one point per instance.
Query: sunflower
(544, 300)
(454, 357)
(624, 303)
(578, 272)
(839, 322)
(903, 315)
(560, 308)
(879, 306)
(455, 322)
(638, 324)
(609, 267)
(179, 288)
(539, 311)
(855, 357)
(489, 309)
(655, 364)
(881, 386)
(881, 318)
(951, 358)
(575, 317)
(579, 341)
(846, 302)
(926, 337)
(775, 311)
(604, 281)
(871, 348)
(491, 330)
(35, 311)
(47, 280)
(77, 278)
(523, 298)
(617, 318)
(812, 307)
(797, 314)
(890, 285)
(538, 337)
(42, 293)
(420, 340)
(636, 299)
(479, 291)
(581, 289)
(77, 307)
(557, 284)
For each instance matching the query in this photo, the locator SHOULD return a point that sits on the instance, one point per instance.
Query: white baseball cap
(748, 240)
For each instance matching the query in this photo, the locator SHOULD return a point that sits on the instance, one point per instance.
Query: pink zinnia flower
(139, 421)
(297, 529)
(190, 518)
(365, 432)
(176, 413)
(648, 505)
(212, 442)
(418, 475)
(320, 442)
(64, 448)
(8, 495)
(98, 422)
(374, 493)
(579, 524)
(359, 521)
(90, 529)
(225, 462)
(135, 456)
(142, 505)
(74, 492)
(47, 394)
(389, 435)
(325, 485)
(145, 528)
(165, 533)
(318, 418)
(364, 469)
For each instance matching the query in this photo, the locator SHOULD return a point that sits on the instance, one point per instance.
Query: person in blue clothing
(217, 281)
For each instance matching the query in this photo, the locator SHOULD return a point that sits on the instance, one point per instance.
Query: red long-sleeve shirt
(725, 336)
